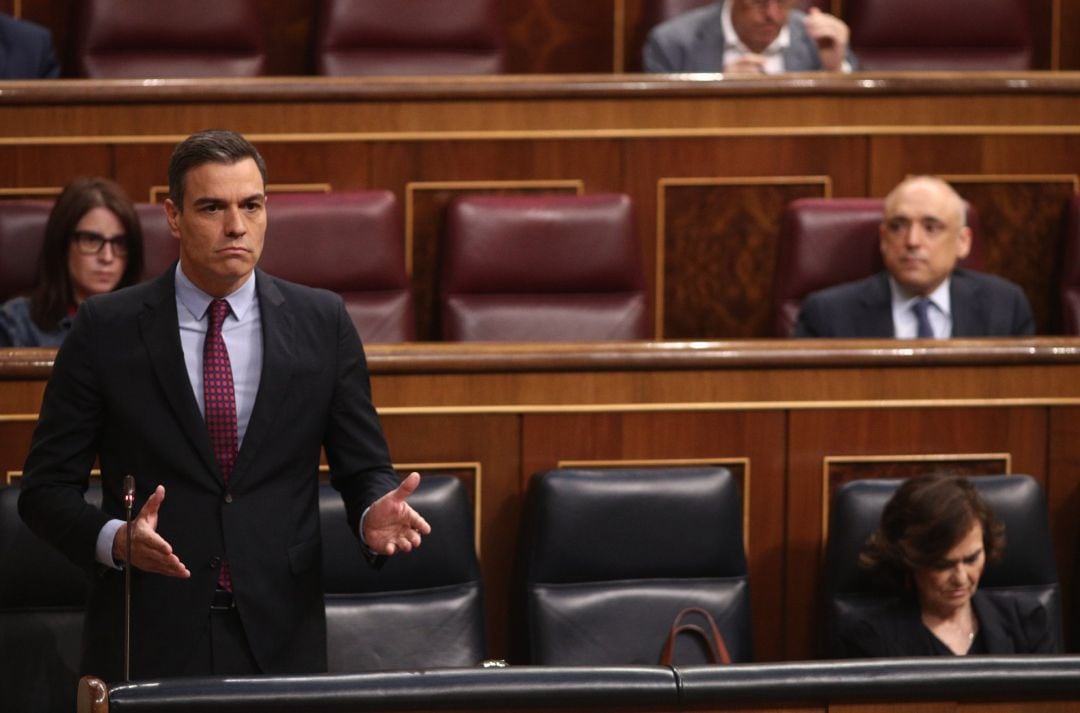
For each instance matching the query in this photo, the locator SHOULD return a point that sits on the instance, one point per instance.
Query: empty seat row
(206, 38)
(609, 559)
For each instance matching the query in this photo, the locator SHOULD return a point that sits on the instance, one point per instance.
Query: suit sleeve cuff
(103, 548)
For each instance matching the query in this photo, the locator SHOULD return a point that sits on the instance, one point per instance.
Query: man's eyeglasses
(762, 4)
(91, 243)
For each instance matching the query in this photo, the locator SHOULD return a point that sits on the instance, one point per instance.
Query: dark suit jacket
(982, 306)
(26, 50)
(1007, 625)
(119, 391)
(694, 42)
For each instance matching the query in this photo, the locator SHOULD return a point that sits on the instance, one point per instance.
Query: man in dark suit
(26, 50)
(921, 293)
(749, 37)
(225, 551)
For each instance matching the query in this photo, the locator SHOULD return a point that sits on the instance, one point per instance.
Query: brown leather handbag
(714, 641)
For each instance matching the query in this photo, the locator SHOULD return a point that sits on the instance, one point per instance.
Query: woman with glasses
(93, 244)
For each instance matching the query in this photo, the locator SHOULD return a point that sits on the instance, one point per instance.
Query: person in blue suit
(26, 50)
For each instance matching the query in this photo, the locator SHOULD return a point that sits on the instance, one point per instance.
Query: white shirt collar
(940, 314)
(197, 302)
(732, 42)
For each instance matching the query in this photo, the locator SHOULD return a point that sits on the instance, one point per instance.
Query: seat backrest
(349, 242)
(22, 232)
(161, 38)
(536, 268)
(372, 37)
(1070, 271)
(828, 241)
(1027, 569)
(42, 599)
(957, 35)
(607, 566)
(160, 248)
(423, 609)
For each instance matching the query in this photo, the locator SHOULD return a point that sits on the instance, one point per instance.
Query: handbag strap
(714, 640)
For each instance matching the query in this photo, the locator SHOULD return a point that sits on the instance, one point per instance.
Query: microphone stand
(129, 501)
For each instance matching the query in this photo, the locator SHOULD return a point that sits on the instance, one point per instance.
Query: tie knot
(219, 309)
(922, 306)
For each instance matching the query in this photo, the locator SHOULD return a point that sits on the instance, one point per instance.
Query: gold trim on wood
(31, 192)
(661, 216)
(159, 192)
(477, 469)
(1055, 35)
(411, 187)
(698, 406)
(618, 44)
(854, 131)
(14, 476)
(676, 462)
(962, 178)
(894, 458)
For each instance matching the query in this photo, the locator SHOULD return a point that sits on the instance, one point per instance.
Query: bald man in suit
(921, 293)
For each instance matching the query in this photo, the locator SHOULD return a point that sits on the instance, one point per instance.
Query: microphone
(129, 502)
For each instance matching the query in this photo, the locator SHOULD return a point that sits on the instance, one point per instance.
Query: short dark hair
(209, 146)
(54, 293)
(926, 517)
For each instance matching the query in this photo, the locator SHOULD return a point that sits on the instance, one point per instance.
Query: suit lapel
(874, 318)
(967, 319)
(277, 366)
(160, 330)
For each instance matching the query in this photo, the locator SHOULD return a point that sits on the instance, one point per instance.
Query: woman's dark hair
(54, 294)
(926, 517)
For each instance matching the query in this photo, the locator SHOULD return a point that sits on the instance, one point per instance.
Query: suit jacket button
(228, 497)
(215, 562)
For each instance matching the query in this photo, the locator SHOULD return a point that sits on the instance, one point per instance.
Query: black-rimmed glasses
(91, 243)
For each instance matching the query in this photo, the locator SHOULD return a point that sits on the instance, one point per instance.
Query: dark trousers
(223, 649)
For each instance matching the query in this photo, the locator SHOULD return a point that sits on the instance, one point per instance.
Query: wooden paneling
(1024, 225)
(1011, 140)
(718, 250)
(559, 35)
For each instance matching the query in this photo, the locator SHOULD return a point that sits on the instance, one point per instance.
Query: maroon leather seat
(542, 268)
(827, 241)
(1070, 271)
(373, 37)
(938, 34)
(350, 242)
(160, 38)
(160, 248)
(22, 231)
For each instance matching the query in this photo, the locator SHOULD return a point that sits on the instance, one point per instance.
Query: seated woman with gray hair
(935, 538)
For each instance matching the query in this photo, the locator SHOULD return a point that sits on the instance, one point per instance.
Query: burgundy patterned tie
(220, 404)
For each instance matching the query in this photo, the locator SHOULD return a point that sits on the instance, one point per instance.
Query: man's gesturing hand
(149, 551)
(391, 524)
